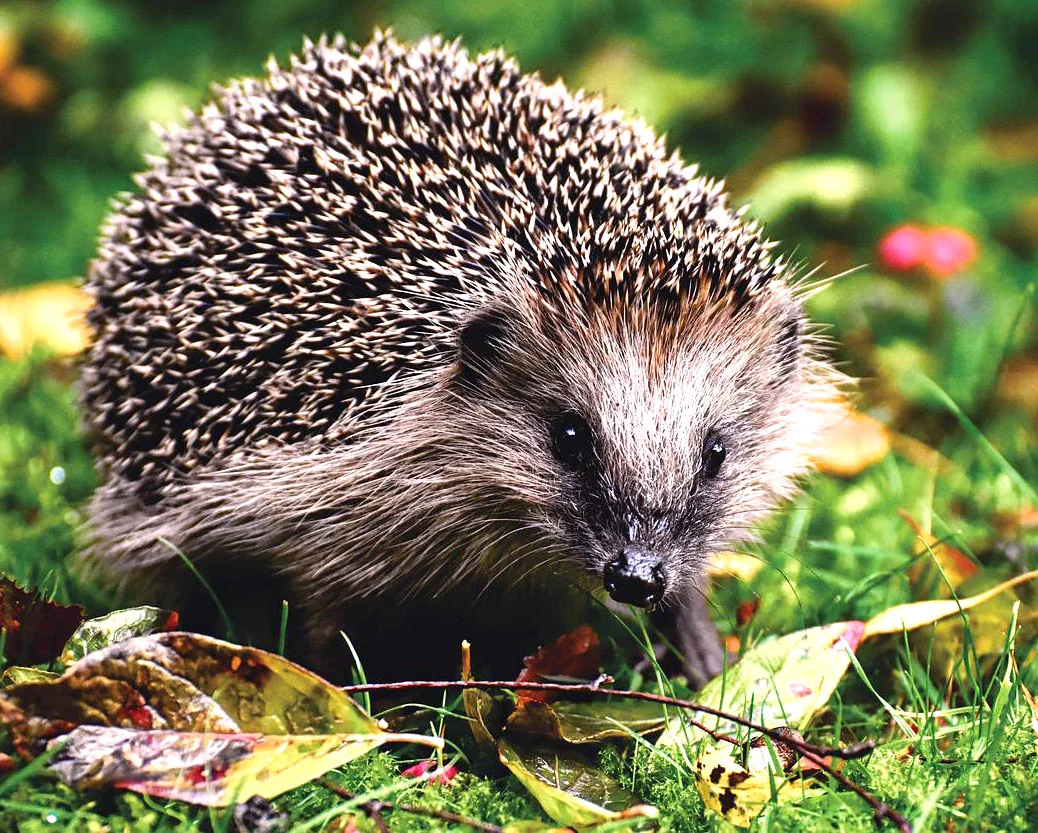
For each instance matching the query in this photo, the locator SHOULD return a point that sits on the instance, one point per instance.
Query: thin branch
(815, 754)
(857, 750)
(373, 810)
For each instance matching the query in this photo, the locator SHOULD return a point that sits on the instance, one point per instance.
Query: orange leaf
(574, 654)
(849, 441)
(1018, 384)
(955, 565)
(27, 88)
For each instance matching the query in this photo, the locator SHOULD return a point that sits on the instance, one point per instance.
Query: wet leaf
(94, 634)
(917, 614)
(568, 786)
(849, 442)
(202, 767)
(577, 654)
(781, 681)
(590, 722)
(486, 717)
(35, 629)
(16, 674)
(190, 717)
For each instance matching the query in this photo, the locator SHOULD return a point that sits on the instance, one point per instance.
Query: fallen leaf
(587, 722)
(94, 634)
(736, 793)
(486, 716)
(939, 565)
(53, 314)
(16, 674)
(577, 655)
(569, 787)
(849, 442)
(746, 611)
(200, 719)
(918, 614)
(784, 680)
(739, 565)
(35, 629)
(202, 767)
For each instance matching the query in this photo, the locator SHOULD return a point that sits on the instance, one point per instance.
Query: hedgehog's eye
(571, 440)
(714, 453)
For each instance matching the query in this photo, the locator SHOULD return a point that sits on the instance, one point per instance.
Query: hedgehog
(437, 348)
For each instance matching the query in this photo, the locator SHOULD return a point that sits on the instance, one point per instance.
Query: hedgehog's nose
(635, 577)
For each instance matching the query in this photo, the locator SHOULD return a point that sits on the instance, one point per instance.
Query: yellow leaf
(734, 792)
(208, 768)
(52, 314)
(738, 564)
(918, 614)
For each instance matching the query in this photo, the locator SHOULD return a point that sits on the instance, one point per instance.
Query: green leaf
(588, 722)
(568, 786)
(17, 674)
(94, 634)
(783, 681)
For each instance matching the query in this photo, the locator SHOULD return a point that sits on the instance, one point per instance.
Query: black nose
(635, 577)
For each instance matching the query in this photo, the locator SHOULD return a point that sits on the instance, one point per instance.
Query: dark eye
(571, 440)
(714, 453)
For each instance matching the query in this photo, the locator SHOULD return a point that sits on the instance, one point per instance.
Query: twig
(373, 810)
(815, 754)
(857, 750)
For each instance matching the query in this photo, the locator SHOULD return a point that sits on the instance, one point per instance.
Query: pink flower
(424, 769)
(903, 248)
(941, 252)
(951, 250)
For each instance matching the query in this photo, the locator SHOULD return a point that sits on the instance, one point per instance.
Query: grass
(835, 122)
(959, 750)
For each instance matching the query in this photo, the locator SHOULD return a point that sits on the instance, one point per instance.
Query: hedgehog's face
(650, 445)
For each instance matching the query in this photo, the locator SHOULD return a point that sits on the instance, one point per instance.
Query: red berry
(904, 248)
(951, 250)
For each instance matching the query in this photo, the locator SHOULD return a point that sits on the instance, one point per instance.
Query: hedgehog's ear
(482, 340)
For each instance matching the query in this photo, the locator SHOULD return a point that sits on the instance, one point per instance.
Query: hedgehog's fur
(276, 372)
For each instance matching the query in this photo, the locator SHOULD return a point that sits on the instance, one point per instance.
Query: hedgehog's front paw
(688, 627)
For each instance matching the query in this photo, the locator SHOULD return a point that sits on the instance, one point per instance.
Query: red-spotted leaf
(781, 681)
(190, 717)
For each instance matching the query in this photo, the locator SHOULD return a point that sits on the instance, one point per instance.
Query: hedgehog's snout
(635, 577)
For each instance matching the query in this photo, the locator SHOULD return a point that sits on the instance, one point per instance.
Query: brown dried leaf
(35, 628)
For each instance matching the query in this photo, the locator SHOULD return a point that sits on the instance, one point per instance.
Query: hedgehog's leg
(688, 627)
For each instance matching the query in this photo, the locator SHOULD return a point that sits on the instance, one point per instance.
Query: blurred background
(892, 140)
